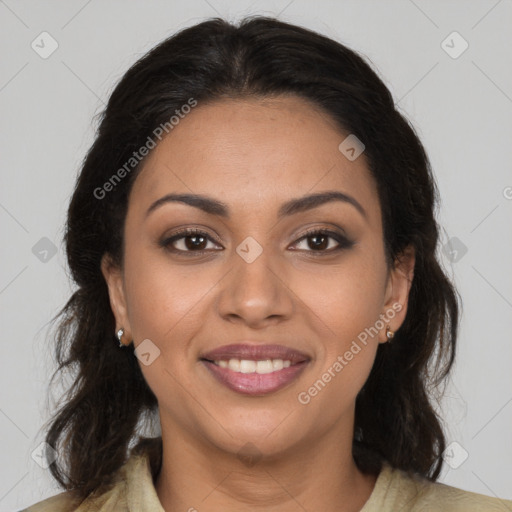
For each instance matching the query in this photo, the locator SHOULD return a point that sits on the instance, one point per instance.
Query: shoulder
(58, 503)
(131, 488)
(111, 500)
(399, 490)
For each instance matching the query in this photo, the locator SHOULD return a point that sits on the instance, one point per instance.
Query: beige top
(395, 490)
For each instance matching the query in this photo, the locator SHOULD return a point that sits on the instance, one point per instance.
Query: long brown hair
(395, 420)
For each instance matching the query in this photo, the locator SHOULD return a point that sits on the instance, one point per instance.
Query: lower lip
(255, 383)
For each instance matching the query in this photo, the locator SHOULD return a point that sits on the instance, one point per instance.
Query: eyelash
(343, 242)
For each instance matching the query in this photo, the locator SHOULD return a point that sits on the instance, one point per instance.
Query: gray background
(460, 106)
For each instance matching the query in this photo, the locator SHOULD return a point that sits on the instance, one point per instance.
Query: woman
(253, 239)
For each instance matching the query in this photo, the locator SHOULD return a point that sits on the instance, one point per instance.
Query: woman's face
(252, 277)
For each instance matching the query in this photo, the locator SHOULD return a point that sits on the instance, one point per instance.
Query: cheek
(168, 304)
(345, 307)
(345, 299)
(344, 304)
(165, 305)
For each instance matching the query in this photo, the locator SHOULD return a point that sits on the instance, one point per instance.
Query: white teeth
(278, 364)
(249, 366)
(234, 364)
(264, 366)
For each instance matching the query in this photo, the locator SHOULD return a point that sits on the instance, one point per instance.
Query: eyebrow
(214, 207)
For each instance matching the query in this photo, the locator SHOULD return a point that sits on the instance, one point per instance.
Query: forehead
(251, 152)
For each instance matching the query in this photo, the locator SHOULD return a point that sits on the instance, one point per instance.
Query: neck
(319, 475)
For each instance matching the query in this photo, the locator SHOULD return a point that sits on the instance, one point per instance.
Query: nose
(255, 292)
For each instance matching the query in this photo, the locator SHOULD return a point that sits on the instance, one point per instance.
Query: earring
(119, 335)
(389, 333)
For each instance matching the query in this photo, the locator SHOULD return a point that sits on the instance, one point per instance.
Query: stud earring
(119, 335)
(389, 333)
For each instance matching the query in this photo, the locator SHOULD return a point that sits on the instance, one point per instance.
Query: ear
(115, 282)
(397, 291)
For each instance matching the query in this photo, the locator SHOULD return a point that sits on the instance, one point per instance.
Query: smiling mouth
(248, 366)
(253, 368)
(255, 378)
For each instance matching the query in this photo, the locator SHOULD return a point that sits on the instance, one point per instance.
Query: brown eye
(193, 242)
(187, 240)
(321, 241)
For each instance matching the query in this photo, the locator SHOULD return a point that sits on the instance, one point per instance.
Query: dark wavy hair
(395, 417)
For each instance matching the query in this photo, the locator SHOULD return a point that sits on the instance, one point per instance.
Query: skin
(254, 155)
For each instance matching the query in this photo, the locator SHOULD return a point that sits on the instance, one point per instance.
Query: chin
(269, 435)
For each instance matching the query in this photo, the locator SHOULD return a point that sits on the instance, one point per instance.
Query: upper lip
(255, 353)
